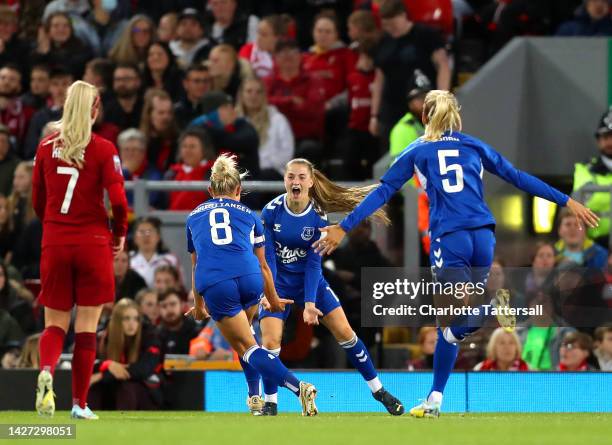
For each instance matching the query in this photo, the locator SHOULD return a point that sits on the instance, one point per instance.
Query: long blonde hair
(495, 337)
(442, 111)
(118, 345)
(260, 119)
(225, 177)
(124, 51)
(330, 197)
(75, 125)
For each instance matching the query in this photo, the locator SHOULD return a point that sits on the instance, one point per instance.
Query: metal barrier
(173, 222)
(583, 194)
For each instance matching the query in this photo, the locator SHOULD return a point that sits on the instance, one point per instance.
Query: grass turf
(174, 428)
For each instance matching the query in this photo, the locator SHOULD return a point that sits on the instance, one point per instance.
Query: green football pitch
(174, 428)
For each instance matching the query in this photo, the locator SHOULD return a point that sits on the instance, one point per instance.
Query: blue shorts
(326, 302)
(229, 297)
(463, 256)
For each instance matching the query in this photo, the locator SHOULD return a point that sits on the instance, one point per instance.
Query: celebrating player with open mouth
(72, 169)
(449, 165)
(292, 223)
(226, 241)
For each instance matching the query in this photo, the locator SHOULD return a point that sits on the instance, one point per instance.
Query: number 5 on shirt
(447, 168)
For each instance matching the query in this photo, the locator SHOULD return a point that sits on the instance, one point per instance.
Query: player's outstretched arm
(274, 302)
(585, 215)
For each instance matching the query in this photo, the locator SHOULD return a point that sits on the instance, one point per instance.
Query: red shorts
(79, 274)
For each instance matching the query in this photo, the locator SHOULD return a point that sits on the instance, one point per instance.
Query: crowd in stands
(340, 82)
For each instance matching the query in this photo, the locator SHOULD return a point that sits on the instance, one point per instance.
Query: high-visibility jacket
(595, 172)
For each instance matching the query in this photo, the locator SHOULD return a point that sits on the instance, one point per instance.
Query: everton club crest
(308, 233)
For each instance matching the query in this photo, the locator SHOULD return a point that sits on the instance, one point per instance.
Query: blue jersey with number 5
(450, 170)
(223, 233)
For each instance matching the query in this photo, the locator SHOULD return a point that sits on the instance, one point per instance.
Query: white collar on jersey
(306, 210)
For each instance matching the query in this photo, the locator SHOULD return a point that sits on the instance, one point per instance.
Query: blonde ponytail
(442, 111)
(225, 176)
(329, 197)
(75, 125)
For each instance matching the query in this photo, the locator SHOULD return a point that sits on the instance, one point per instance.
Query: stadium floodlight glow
(511, 215)
(543, 215)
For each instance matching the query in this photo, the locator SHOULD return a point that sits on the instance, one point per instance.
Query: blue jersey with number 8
(450, 170)
(223, 233)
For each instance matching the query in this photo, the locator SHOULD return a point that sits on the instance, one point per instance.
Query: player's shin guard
(445, 356)
(82, 366)
(50, 347)
(270, 367)
(252, 378)
(360, 358)
(271, 388)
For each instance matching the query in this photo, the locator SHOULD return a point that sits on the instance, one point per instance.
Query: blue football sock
(270, 367)
(252, 377)
(270, 387)
(444, 359)
(359, 357)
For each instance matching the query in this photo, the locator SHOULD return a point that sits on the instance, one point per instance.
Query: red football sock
(82, 366)
(50, 347)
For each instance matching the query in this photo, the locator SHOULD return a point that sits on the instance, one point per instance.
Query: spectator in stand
(99, 73)
(539, 278)
(260, 52)
(361, 26)
(603, 350)
(161, 70)
(61, 79)
(106, 129)
(405, 47)
(211, 345)
(410, 127)
(167, 277)
(329, 61)
(40, 81)
(27, 227)
(133, 150)
(158, 125)
(360, 150)
(228, 132)
(276, 142)
(300, 98)
(12, 47)
(11, 334)
(124, 106)
(190, 45)
(175, 331)
(196, 156)
(128, 376)
(7, 238)
(13, 112)
(574, 246)
(127, 281)
(228, 24)
(197, 83)
(30, 357)
(17, 300)
(592, 20)
(428, 336)
(132, 45)
(166, 28)
(149, 308)
(58, 46)
(150, 250)
(103, 24)
(227, 70)
(598, 171)
(8, 161)
(10, 355)
(575, 351)
(503, 353)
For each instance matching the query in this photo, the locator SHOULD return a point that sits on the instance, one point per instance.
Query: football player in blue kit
(292, 222)
(449, 165)
(230, 273)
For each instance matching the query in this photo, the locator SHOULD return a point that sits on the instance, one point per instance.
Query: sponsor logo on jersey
(308, 233)
(288, 256)
(117, 163)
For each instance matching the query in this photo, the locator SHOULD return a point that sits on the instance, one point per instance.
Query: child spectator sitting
(128, 375)
(196, 155)
(276, 143)
(503, 353)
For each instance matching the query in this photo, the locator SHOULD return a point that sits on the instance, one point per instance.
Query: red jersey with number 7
(70, 200)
